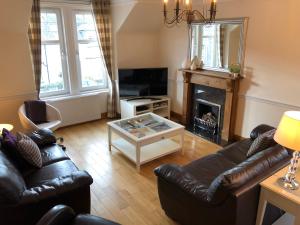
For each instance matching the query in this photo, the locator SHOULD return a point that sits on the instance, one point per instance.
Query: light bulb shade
(288, 131)
(8, 127)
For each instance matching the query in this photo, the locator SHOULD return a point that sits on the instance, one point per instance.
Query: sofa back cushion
(12, 184)
(252, 168)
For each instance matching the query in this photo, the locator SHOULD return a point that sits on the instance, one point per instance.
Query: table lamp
(288, 136)
(8, 127)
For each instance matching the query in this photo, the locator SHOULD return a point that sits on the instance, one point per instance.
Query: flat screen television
(143, 82)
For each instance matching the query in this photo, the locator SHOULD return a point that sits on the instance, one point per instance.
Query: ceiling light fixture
(185, 12)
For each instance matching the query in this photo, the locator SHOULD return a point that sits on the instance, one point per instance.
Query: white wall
(138, 50)
(272, 78)
(136, 34)
(174, 51)
(16, 75)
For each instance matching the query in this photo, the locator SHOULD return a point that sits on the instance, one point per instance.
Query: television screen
(143, 82)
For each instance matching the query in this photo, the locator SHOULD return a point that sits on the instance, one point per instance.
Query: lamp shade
(8, 127)
(288, 131)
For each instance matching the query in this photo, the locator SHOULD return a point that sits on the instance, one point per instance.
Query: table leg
(261, 208)
(182, 142)
(138, 158)
(109, 138)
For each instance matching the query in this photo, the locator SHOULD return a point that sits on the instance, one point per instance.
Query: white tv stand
(131, 107)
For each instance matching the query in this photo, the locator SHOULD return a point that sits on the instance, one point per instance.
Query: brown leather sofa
(64, 215)
(222, 188)
(27, 193)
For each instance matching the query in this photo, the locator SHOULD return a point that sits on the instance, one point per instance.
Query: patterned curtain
(101, 9)
(222, 35)
(34, 35)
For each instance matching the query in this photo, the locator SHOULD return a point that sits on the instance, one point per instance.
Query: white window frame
(64, 58)
(68, 29)
(77, 42)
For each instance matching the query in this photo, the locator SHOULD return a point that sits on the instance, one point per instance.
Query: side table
(272, 192)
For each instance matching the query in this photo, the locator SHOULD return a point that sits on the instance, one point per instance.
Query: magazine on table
(162, 126)
(140, 127)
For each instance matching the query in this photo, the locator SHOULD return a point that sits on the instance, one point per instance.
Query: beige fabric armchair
(53, 117)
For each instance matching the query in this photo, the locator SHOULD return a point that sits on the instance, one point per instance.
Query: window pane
(92, 69)
(52, 73)
(49, 28)
(208, 30)
(85, 27)
(207, 53)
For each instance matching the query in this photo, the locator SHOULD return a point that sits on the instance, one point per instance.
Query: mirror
(220, 44)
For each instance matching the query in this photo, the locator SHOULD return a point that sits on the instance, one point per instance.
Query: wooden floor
(119, 193)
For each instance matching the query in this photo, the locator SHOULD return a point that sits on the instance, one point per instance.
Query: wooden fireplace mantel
(215, 79)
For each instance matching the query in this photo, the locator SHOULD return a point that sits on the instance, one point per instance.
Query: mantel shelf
(210, 73)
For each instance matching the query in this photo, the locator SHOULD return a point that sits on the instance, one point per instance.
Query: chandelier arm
(175, 18)
(170, 21)
(196, 12)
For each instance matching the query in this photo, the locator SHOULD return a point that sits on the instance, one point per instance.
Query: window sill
(75, 96)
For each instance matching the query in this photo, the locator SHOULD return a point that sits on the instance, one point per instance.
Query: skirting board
(176, 116)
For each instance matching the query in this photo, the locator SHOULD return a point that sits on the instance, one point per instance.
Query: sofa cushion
(208, 168)
(52, 154)
(12, 184)
(262, 142)
(49, 172)
(237, 152)
(29, 150)
(9, 147)
(43, 137)
(260, 130)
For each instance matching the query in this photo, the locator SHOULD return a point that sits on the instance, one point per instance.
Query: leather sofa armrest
(263, 128)
(59, 214)
(43, 137)
(177, 175)
(56, 187)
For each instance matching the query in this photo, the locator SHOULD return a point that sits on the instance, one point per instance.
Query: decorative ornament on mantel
(185, 12)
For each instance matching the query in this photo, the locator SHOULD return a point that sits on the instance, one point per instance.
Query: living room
(173, 183)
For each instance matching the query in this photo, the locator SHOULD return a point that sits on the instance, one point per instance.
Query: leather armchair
(64, 215)
(222, 188)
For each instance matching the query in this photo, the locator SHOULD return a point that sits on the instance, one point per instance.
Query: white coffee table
(145, 137)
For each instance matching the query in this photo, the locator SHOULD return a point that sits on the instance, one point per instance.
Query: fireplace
(209, 104)
(207, 112)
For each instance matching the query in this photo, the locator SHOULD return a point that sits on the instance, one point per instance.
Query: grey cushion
(29, 150)
(262, 142)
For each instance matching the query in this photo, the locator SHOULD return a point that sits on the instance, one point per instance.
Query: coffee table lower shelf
(148, 152)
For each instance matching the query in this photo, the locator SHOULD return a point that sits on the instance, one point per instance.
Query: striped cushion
(262, 142)
(29, 150)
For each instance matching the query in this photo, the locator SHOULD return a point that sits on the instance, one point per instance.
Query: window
(206, 45)
(54, 76)
(91, 69)
(72, 60)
